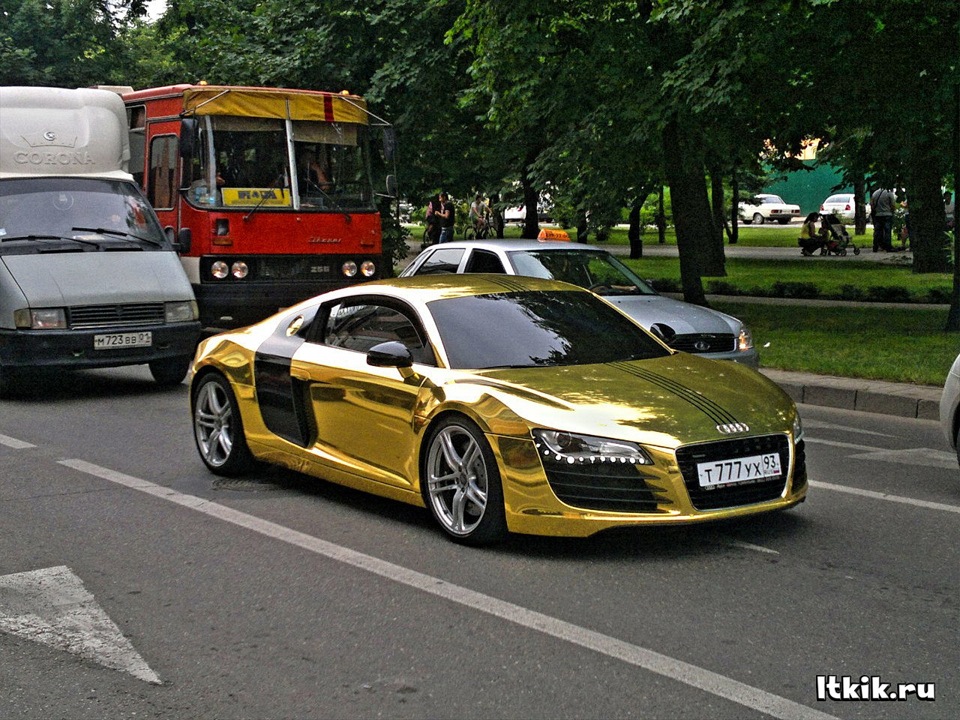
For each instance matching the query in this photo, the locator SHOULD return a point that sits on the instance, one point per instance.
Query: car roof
(426, 288)
(523, 245)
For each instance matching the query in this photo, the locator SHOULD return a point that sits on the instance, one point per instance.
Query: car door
(363, 416)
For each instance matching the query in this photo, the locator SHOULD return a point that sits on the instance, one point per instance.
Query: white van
(87, 276)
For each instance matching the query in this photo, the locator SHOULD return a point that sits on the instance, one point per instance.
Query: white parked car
(950, 407)
(843, 206)
(767, 208)
(680, 325)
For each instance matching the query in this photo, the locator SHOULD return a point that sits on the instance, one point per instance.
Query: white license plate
(115, 341)
(747, 469)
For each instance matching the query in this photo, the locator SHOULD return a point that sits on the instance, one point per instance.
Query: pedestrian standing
(883, 204)
(448, 216)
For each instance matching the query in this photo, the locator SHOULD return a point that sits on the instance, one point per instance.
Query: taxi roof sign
(553, 234)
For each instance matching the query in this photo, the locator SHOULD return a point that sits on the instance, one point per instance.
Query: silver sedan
(686, 327)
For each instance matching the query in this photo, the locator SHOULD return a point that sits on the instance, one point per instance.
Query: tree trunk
(661, 219)
(531, 202)
(953, 317)
(927, 217)
(635, 231)
(860, 207)
(734, 215)
(691, 212)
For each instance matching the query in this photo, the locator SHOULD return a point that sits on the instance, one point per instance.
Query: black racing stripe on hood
(711, 409)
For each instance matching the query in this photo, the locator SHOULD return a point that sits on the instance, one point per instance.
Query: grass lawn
(876, 343)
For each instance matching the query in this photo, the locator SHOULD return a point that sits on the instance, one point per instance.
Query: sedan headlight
(176, 312)
(563, 447)
(797, 428)
(43, 319)
(744, 339)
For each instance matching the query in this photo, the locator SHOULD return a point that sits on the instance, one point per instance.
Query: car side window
(484, 261)
(360, 326)
(441, 261)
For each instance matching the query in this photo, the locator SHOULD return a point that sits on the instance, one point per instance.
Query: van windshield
(84, 212)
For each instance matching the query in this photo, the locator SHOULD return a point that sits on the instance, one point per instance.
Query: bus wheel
(170, 371)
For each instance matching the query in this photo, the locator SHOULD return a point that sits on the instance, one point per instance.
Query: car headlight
(349, 268)
(176, 312)
(368, 268)
(563, 447)
(797, 428)
(43, 319)
(239, 269)
(744, 339)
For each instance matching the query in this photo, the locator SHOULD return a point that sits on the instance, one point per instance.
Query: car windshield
(531, 329)
(76, 211)
(597, 271)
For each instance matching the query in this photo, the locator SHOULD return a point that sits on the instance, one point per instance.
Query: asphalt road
(284, 597)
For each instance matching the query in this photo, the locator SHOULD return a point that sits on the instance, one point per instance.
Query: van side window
(136, 118)
(162, 186)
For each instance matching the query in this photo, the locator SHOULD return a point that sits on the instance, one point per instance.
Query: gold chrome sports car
(501, 404)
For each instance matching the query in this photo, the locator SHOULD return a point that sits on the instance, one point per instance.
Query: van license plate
(115, 341)
(748, 469)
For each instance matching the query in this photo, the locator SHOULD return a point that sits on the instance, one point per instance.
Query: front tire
(170, 371)
(758, 218)
(218, 428)
(461, 483)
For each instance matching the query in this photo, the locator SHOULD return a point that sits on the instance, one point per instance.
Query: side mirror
(184, 240)
(392, 185)
(188, 137)
(390, 354)
(663, 332)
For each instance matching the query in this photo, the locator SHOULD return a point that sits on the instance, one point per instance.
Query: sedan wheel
(461, 483)
(758, 218)
(218, 429)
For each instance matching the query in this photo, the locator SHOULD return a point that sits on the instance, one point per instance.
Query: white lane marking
(750, 546)
(885, 496)
(820, 425)
(14, 443)
(923, 457)
(52, 607)
(683, 672)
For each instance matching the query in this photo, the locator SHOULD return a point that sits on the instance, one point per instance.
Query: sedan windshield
(530, 329)
(77, 210)
(597, 271)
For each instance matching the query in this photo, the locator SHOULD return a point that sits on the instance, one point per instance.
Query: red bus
(269, 191)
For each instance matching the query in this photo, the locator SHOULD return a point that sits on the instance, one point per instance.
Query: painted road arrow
(53, 607)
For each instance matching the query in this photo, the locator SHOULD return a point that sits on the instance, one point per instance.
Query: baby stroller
(837, 238)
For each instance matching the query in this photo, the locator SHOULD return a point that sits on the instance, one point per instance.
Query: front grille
(617, 488)
(711, 498)
(704, 343)
(89, 317)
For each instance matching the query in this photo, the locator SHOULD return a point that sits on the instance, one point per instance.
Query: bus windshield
(249, 163)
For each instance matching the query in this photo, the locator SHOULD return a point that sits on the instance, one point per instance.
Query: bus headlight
(219, 269)
(239, 270)
(43, 319)
(349, 268)
(176, 312)
(368, 268)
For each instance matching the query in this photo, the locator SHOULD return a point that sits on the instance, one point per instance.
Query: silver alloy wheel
(457, 480)
(213, 424)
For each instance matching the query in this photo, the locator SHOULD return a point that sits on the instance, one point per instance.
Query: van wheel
(170, 371)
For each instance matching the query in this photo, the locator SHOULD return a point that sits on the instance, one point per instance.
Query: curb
(920, 402)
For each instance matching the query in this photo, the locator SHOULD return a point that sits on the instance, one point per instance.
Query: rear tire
(218, 428)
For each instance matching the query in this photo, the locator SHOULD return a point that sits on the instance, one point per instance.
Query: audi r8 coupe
(502, 404)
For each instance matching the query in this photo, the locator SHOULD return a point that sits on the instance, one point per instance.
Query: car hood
(684, 318)
(667, 401)
(97, 278)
